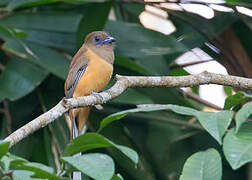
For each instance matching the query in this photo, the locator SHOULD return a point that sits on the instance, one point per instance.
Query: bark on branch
(122, 83)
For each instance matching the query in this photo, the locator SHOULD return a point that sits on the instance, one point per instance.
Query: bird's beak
(109, 40)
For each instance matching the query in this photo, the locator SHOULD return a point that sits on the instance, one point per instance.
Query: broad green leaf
(129, 97)
(40, 55)
(216, 123)
(95, 165)
(19, 79)
(205, 165)
(22, 174)
(242, 115)
(28, 3)
(94, 18)
(43, 21)
(234, 100)
(131, 65)
(4, 147)
(237, 147)
(60, 40)
(145, 42)
(93, 140)
(156, 65)
(40, 170)
(117, 116)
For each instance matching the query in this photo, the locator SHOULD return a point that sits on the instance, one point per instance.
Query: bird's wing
(77, 69)
(70, 89)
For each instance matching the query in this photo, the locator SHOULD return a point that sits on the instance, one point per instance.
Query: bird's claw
(98, 95)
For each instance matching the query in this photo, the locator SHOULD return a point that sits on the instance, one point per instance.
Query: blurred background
(154, 37)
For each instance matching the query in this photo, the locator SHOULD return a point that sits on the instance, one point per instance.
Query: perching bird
(90, 71)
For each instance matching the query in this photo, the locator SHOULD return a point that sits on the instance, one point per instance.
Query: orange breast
(96, 76)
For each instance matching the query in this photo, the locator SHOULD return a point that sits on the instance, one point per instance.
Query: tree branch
(122, 83)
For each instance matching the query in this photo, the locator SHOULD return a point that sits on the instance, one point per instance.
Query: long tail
(79, 118)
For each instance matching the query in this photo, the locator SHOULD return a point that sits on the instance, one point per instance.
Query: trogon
(90, 71)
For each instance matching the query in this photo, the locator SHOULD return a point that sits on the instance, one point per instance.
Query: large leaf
(27, 3)
(216, 123)
(204, 165)
(92, 140)
(43, 21)
(237, 147)
(60, 40)
(129, 97)
(145, 42)
(19, 79)
(242, 115)
(40, 170)
(96, 165)
(131, 65)
(22, 174)
(41, 55)
(4, 147)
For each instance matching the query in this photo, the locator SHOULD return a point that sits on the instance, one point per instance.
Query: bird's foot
(97, 95)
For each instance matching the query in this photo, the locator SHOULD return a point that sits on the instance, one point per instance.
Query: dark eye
(97, 38)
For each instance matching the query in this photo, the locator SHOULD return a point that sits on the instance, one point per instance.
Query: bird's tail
(79, 127)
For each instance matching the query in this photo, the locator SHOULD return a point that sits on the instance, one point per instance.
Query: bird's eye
(97, 38)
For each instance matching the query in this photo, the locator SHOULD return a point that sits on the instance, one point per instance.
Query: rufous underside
(95, 78)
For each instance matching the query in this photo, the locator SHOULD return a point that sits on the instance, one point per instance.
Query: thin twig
(7, 116)
(177, 66)
(54, 141)
(195, 97)
(123, 83)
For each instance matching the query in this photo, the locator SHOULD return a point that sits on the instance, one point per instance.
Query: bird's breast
(96, 76)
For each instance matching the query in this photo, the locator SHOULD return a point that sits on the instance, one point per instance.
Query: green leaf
(216, 123)
(131, 65)
(22, 174)
(40, 170)
(234, 100)
(43, 21)
(28, 3)
(237, 147)
(59, 40)
(117, 177)
(205, 165)
(242, 115)
(93, 140)
(145, 42)
(40, 55)
(129, 97)
(95, 165)
(228, 90)
(19, 79)
(4, 147)
(94, 18)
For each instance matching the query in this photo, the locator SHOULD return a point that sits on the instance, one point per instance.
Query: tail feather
(76, 175)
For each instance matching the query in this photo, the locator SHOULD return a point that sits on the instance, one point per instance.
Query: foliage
(38, 36)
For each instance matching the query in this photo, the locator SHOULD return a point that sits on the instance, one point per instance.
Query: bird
(90, 71)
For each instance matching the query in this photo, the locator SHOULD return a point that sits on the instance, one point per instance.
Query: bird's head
(100, 39)
(102, 44)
